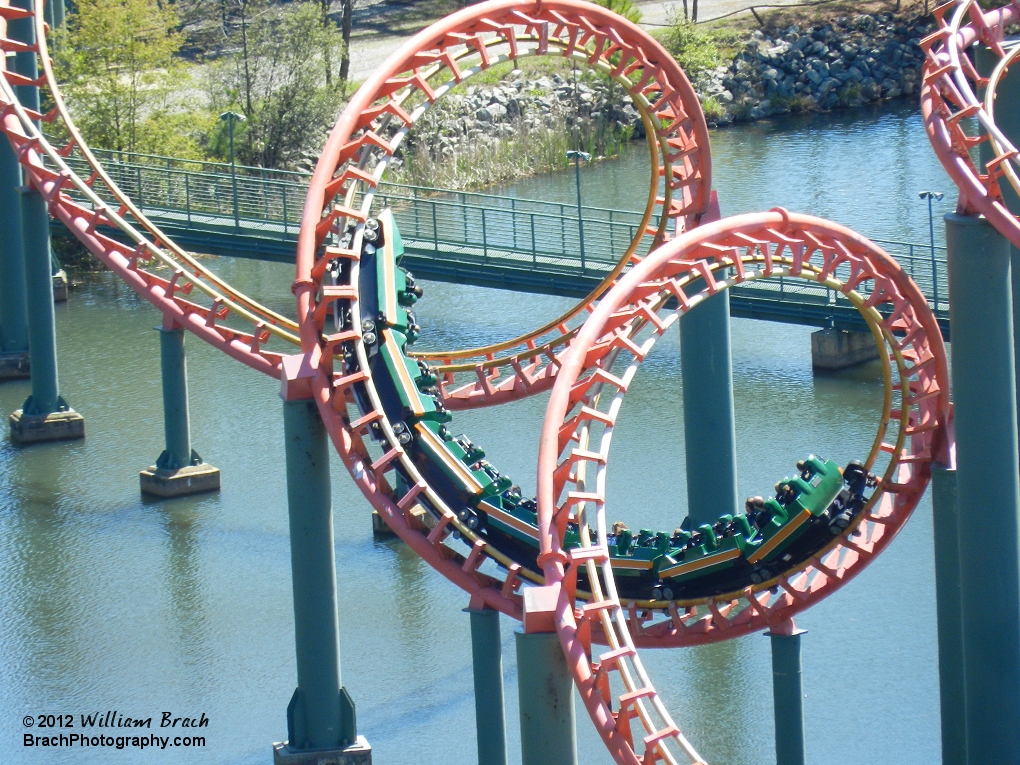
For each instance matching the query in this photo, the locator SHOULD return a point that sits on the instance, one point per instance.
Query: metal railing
(464, 226)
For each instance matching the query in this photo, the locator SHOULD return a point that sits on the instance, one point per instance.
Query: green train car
(769, 537)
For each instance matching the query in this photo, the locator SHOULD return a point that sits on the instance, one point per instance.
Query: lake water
(112, 602)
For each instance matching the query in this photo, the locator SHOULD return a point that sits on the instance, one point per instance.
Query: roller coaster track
(187, 293)
(605, 356)
(432, 64)
(587, 357)
(949, 96)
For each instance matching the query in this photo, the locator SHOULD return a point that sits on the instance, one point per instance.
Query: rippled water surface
(110, 602)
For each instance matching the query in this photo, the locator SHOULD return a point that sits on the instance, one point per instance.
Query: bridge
(462, 237)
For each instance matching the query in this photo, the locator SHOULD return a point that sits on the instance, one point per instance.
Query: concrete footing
(60, 287)
(14, 366)
(359, 753)
(379, 527)
(55, 426)
(193, 479)
(833, 349)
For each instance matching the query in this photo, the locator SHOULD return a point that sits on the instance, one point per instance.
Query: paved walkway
(369, 49)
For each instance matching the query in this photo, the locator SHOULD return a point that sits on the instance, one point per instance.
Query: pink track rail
(585, 401)
(948, 98)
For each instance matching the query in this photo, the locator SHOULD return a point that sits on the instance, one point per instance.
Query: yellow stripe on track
(697, 565)
(510, 520)
(798, 521)
(437, 447)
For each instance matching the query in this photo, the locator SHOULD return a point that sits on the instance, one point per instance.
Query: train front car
(770, 537)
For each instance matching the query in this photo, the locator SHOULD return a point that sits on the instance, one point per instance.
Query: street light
(577, 156)
(930, 195)
(230, 118)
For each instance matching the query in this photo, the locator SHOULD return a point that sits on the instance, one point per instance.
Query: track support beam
(709, 432)
(179, 470)
(788, 693)
(546, 691)
(487, 659)
(321, 723)
(45, 416)
(988, 485)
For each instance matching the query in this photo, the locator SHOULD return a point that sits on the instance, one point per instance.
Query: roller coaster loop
(949, 95)
(449, 52)
(587, 360)
(599, 366)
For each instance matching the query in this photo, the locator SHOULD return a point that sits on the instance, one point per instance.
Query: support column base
(55, 426)
(359, 753)
(379, 526)
(14, 366)
(833, 349)
(194, 479)
(60, 287)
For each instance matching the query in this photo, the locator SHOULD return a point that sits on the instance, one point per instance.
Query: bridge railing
(468, 226)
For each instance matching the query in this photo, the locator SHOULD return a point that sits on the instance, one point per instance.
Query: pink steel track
(948, 97)
(428, 66)
(588, 365)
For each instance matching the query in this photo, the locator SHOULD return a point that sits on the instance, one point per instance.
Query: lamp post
(577, 156)
(230, 118)
(929, 195)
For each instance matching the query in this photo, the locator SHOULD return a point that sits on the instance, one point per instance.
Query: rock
(497, 112)
(483, 115)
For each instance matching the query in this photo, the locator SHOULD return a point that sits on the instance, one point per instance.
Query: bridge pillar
(487, 660)
(179, 470)
(321, 724)
(787, 693)
(709, 433)
(988, 485)
(45, 416)
(949, 607)
(13, 304)
(834, 349)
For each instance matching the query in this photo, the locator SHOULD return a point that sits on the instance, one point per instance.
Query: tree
(346, 22)
(625, 8)
(275, 75)
(116, 59)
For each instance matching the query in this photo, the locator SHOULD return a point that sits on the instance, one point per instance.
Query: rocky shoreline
(842, 64)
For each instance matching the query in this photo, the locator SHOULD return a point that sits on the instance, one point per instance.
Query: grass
(527, 152)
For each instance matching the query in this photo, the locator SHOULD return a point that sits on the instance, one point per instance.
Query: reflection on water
(862, 168)
(110, 602)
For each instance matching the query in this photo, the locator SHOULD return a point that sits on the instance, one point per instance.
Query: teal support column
(42, 332)
(13, 303)
(949, 607)
(546, 692)
(1007, 118)
(788, 695)
(59, 13)
(45, 416)
(487, 660)
(25, 62)
(988, 485)
(320, 717)
(179, 470)
(176, 417)
(709, 432)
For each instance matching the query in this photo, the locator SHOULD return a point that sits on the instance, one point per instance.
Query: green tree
(625, 8)
(116, 60)
(693, 48)
(275, 75)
